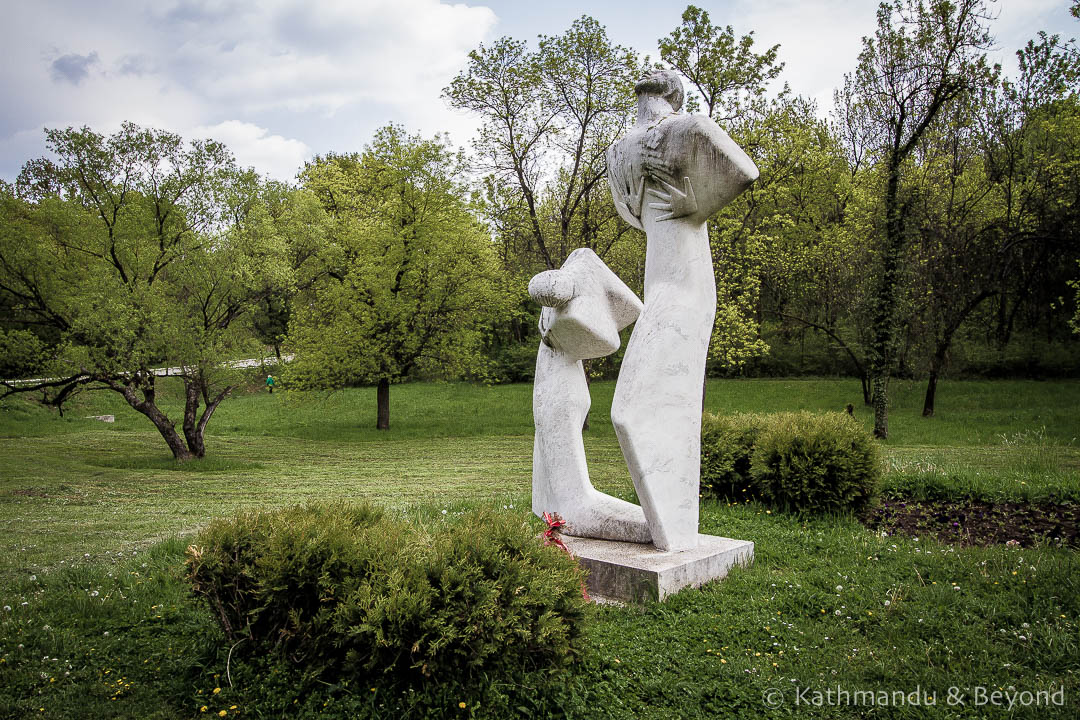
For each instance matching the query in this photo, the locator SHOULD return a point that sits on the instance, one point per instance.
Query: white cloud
(258, 72)
(817, 46)
(255, 147)
(325, 54)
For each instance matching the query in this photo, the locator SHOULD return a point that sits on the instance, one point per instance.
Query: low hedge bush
(727, 443)
(352, 592)
(815, 463)
(799, 462)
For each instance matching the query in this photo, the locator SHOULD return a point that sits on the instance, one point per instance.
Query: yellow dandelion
(202, 709)
(223, 713)
(217, 690)
(723, 661)
(461, 705)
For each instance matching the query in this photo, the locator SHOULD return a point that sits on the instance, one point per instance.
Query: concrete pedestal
(634, 572)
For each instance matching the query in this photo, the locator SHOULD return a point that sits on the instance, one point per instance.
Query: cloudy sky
(281, 80)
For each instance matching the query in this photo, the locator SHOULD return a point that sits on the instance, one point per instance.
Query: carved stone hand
(678, 203)
(631, 198)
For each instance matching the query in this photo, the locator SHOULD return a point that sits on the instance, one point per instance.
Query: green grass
(72, 485)
(83, 505)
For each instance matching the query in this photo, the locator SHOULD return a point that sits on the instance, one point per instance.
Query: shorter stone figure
(585, 307)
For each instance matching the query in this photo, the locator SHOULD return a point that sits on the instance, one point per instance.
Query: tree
(410, 275)
(957, 253)
(137, 251)
(728, 75)
(1031, 151)
(810, 213)
(548, 117)
(923, 55)
(730, 78)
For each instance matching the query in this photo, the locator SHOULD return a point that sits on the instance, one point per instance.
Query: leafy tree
(548, 117)
(730, 79)
(956, 255)
(410, 275)
(921, 58)
(1030, 134)
(808, 210)
(138, 251)
(727, 74)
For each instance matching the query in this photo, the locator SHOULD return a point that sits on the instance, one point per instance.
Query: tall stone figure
(667, 177)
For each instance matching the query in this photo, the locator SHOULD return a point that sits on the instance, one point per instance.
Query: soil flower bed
(976, 522)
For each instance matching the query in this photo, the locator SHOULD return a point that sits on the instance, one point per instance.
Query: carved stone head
(665, 83)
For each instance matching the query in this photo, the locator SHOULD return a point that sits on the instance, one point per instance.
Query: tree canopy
(410, 275)
(134, 252)
(933, 220)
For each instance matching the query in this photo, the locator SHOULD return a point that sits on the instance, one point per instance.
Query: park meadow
(267, 441)
(98, 619)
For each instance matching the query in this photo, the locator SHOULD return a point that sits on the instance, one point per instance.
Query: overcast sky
(281, 80)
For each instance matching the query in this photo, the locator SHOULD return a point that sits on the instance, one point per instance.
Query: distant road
(163, 372)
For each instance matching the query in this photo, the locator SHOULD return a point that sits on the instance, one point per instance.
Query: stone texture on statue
(585, 307)
(667, 176)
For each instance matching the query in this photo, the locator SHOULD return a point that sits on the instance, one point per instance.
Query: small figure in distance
(270, 383)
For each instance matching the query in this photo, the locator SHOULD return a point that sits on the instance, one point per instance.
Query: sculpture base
(638, 573)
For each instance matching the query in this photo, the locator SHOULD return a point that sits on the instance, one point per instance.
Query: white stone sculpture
(585, 307)
(667, 176)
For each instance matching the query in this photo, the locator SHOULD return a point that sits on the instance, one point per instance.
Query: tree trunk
(195, 432)
(886, 300)
(867, 397)
(191, 407)
(147, 407)
(382, 399)
(931, 389)
(881, 406)
(164, 426)
(938, 361)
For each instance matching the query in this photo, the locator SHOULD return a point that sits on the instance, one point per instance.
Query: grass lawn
(87, 510)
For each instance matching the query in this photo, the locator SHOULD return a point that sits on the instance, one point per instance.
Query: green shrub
(727, 443)
(351, 592)
(806, 462)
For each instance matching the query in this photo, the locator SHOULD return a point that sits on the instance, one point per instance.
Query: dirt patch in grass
(29, 492)
(975, 522)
